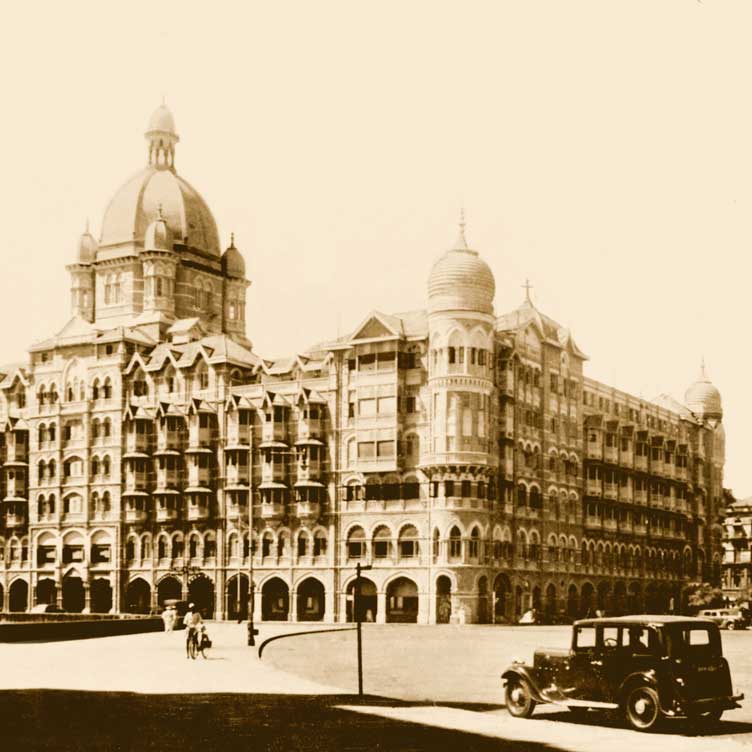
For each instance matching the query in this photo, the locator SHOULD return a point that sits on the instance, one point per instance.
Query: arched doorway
(634, 599)
(137, 597)
(73, 594)
(46, 591)
(18, 595)
(169, 588)
(587, 597)
(101, 596)
(443, 599)
(402, 601)
(651, 598)
(237, 598)
(550, 606)
(620, 598)
(367, 602)
(483, 600)
(275, 600)
(604, 598)
(310, 600)
(201, 594)
(502, 591)
(537, 599)
(572, 602)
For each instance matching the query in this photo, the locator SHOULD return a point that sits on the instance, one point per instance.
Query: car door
(585, 678)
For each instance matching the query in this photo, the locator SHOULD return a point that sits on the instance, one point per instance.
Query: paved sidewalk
(152, 663)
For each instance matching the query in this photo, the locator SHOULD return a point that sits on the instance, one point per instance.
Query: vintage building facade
(149, 453)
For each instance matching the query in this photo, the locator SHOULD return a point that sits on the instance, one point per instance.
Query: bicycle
(198, 644)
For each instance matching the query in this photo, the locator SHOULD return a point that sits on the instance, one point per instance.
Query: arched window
(162, 548)
(130, 550)
(193, 547)
(106, 427)
(408, 542)
(107, 389)
(42, 434)
(51, 433)
(95, 466)
(106, 466)
(319, 543)
(283, 545)
(474, 543)
(177, 548)
(266, 543)
(455, 543)
(356, 543)
(303, 544)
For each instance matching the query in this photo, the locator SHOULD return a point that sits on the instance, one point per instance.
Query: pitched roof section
(550, 330)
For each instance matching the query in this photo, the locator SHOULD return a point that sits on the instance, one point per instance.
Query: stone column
(381, 607)
(292, 611)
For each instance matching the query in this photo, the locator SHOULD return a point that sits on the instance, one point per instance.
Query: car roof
(642, 620)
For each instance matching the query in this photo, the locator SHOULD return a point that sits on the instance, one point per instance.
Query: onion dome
(461, 280)
(233, 263)
(158, 236)
(136, 202)
(87, 248)
(704, 399)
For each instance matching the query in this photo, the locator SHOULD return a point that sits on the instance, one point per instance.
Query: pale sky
(602, 149)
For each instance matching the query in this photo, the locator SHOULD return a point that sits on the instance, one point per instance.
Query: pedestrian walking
(168, 618)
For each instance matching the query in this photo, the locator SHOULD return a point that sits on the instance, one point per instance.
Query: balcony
(199, 476)
(641, 462)
(273, 472)
(167, 508)
(594, 451)
(236, 511)
(625, 493)
(137, 442)
(237, 475)
(272, 510)
(610, 491)
(639, 528)
(610, 524)
(273, 431)
(593, 488)
(640, 496)
(169, 441)
(593, 523)
(657, 467)
(611, 454)
(198, 509)
(626, 458)
(136, 481)
(15, 520)
(307, 510)
(135, 516)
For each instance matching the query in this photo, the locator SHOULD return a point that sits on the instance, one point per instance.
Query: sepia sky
(601, 149)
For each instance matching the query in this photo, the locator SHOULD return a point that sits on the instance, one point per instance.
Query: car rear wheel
(642, 708)
(518, 698)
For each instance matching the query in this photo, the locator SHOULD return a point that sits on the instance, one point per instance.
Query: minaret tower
(82, 277)
(235, 286)
(459, 456)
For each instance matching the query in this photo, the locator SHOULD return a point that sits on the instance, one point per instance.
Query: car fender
(525, 673)
(638, 678)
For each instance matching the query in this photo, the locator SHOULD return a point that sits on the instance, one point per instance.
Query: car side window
(640, 640)
(611, 638)
(584, 639)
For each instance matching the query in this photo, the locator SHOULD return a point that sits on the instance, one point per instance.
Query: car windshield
(693, 643)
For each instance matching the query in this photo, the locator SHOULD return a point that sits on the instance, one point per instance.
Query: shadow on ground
(74, 720)
(669, 726)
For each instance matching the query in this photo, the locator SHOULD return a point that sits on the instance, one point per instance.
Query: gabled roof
(13, 374)
(549, 330)
(667, 402)
(378, 325)
(199, 406)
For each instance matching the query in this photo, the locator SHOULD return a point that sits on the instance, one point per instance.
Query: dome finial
(162, 137)
(527, 287)
(461, 243)
(703, 372)
(232, 240)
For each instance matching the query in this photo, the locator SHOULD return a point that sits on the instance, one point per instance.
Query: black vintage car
(647, 667)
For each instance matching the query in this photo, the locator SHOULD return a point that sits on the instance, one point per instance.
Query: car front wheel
(518, 698)
(642, 708)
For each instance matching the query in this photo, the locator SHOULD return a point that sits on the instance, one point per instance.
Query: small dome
(233, 262)
(158, 236)
(87, 248)
(162, 120)
(461, 280)
(704, 399)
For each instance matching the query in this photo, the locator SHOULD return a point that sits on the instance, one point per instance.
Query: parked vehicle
(725, 618)
(646, 667)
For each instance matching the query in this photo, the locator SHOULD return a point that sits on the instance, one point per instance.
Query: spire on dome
(461, 244)
(162, 137)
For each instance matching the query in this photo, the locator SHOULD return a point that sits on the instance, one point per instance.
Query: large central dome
(139, 200)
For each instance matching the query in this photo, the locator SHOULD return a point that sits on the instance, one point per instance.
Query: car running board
(589, 704)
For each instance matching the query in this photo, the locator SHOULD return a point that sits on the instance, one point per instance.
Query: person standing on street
(168, 618)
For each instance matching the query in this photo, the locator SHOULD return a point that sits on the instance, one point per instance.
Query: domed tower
(704, 399)
(235, 285)
(82, 277)
(159, 263)
(458, 455)
(162, 137)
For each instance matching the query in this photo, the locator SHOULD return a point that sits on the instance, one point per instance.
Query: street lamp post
(252, 631)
